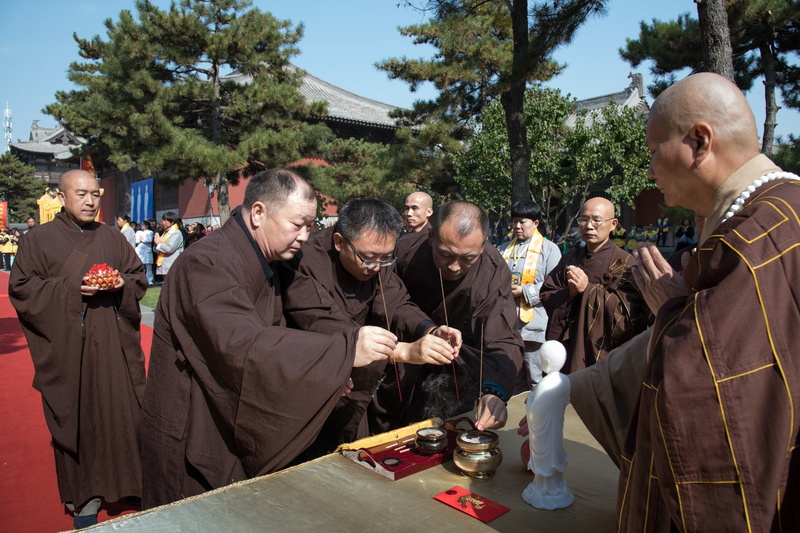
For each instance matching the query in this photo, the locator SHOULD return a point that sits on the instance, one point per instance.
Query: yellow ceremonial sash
(161, 255)
(529, 270)
(122, 229)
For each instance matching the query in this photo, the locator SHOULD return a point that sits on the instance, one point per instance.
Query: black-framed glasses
(596, 223)
(371, 263)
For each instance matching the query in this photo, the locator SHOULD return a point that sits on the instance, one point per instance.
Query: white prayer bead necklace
(739, 202)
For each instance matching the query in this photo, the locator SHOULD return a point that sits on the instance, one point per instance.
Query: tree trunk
(715, 37)
(222, 198)
(770, 79)
(513, 100)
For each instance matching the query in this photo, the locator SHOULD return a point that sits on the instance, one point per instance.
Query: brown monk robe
(480, 305)
(713, 443)
(608, 313)
(321, 295)
(232, 393)
(88, 360)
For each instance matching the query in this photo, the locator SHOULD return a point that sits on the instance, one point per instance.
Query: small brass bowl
(431, 441)
(478, 454)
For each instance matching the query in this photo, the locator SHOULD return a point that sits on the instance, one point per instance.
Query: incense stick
(389, 327)
(447, 324)
(480, 369)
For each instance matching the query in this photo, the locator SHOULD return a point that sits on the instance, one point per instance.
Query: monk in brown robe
(341, 280)
(713, 443)
(232, 392)
(592, 303)
(457, 278)
(417, 212)
(84, 342)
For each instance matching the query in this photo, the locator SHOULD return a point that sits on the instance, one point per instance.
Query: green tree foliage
(787, 155)
(155, 94)
(605, 149)
(20, 188)
(764, 39)
(359, 169)
(488, 50)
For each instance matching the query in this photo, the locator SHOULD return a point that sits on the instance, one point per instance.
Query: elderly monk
(713, 442)
(457, 278)
(416, 212)
(591, 300)
(341, 280)
(233, 393)
(84, 342)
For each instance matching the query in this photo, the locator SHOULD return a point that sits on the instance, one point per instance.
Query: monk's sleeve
(307, 300)
(605, 394)
(265, 381)
(625, 311)
(554, 296)
(502, 346)
(49, 308)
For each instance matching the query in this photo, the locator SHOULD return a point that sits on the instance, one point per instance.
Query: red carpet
(28, 487)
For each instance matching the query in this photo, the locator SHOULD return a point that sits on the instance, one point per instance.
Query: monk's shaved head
(709, 98)
(599, 206)
(421, 199)
(463, 217)
(68, 179)
(79, 193)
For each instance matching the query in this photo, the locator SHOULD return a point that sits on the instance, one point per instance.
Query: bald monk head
(700, 130)
(596, 221)
(457, 238)
(79, 193)
(418, 209)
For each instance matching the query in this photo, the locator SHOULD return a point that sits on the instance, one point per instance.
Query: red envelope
(468, 502)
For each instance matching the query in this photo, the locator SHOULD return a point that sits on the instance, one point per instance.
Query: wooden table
(334, 493)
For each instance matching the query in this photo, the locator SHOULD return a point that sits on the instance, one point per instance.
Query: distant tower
(7, 127)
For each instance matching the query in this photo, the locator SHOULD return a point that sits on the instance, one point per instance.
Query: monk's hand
(451, 335)
(88, 290)
(516, 291)
(577, 280)
(373, 344)
(656, 279)
(348, 387)
(117, 286)
(492, 413)
(428, 350)
(523, 430)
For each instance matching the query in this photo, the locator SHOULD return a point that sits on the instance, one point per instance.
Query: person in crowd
(636, 238)
(342, 279)
(683, 230)
(416, 212)
(195, 232)
(460, 280)
(124, 225)
(618, 235)
(651, 235)
(144, 248)
(6, 246)
(232, 393)
(662, 225)
(85, 345)
(591, 299)
(712, 442)
(169, 244)
(530, 257)
(31, 223)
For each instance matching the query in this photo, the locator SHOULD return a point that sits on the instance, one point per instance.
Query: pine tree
(763, 35)
(20, 187)
(203, 90)
(488, 50)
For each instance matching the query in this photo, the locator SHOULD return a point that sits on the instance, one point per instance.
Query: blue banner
(142, 200)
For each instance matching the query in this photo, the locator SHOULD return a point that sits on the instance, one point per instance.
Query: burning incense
(389, 327)
(447, 324)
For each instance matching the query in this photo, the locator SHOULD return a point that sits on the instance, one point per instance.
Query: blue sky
(342, 42)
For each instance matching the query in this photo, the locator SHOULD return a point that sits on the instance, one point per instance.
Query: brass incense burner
(478, 454)
(430, 441)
